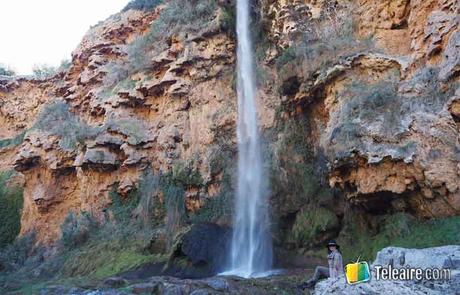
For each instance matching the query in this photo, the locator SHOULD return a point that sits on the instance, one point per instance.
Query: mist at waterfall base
(251, 252)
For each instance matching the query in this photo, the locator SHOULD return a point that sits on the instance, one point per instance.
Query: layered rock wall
(398, 153)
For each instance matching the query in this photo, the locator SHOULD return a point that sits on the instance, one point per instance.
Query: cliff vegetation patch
(11, 201)
(142, 5)
(57, 119)
(322, 44)
(398, 229)
(12, 142)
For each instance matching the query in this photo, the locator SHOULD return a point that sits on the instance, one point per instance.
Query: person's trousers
(320, 272)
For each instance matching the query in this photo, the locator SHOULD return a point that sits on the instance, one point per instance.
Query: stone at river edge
(446, 256)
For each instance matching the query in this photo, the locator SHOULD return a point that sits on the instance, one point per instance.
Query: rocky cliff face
(361, 95)
(386, 109)
(170, 113)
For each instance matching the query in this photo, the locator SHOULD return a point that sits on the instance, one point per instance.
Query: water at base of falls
(264, 274)
(251, 248)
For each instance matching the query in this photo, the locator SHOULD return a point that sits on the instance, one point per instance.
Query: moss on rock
(11, 201)
(312, 225)
(401, 230)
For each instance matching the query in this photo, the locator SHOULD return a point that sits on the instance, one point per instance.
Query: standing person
(334, 259)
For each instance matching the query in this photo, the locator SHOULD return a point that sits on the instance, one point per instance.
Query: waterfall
(251, 248)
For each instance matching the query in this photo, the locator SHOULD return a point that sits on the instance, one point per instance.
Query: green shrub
(123, 207)
(76, 229)
(114, 246)
(174, 184)
(91, 251)
(57, 119)
(142, 5)
(311, 223)
(64, 66)
(17, 254)
(44, 71)
(322, 44)
(134, 129)
(399, 230)
(11, 201)
(288, 55)
(228, 23)
(13, 142)
(111, 249)
(185, 176)
(141, 207)
(116, 73)
(185, 16)
(381, 105)
(293, 154)
(5, 71)
(179, 16)
(218, 208)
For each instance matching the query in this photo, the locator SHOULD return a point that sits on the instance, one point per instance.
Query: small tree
(76, 229)
(44, 71)
(145, 5)
(64, 66)
(6, 71)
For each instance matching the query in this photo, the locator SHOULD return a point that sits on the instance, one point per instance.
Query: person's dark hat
(332, 243)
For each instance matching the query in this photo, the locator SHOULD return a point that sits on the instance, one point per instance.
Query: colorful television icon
(357, 272)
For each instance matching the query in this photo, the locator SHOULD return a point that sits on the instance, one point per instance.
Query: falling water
(251, 249)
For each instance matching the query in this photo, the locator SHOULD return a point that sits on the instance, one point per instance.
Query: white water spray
(251, 249)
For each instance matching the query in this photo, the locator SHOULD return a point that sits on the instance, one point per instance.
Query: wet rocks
(115, 282)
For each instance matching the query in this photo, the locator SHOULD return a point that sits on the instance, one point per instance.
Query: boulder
(108, 140)
(115, 282)
(218, 284)
(340, 286)
(439, 257)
